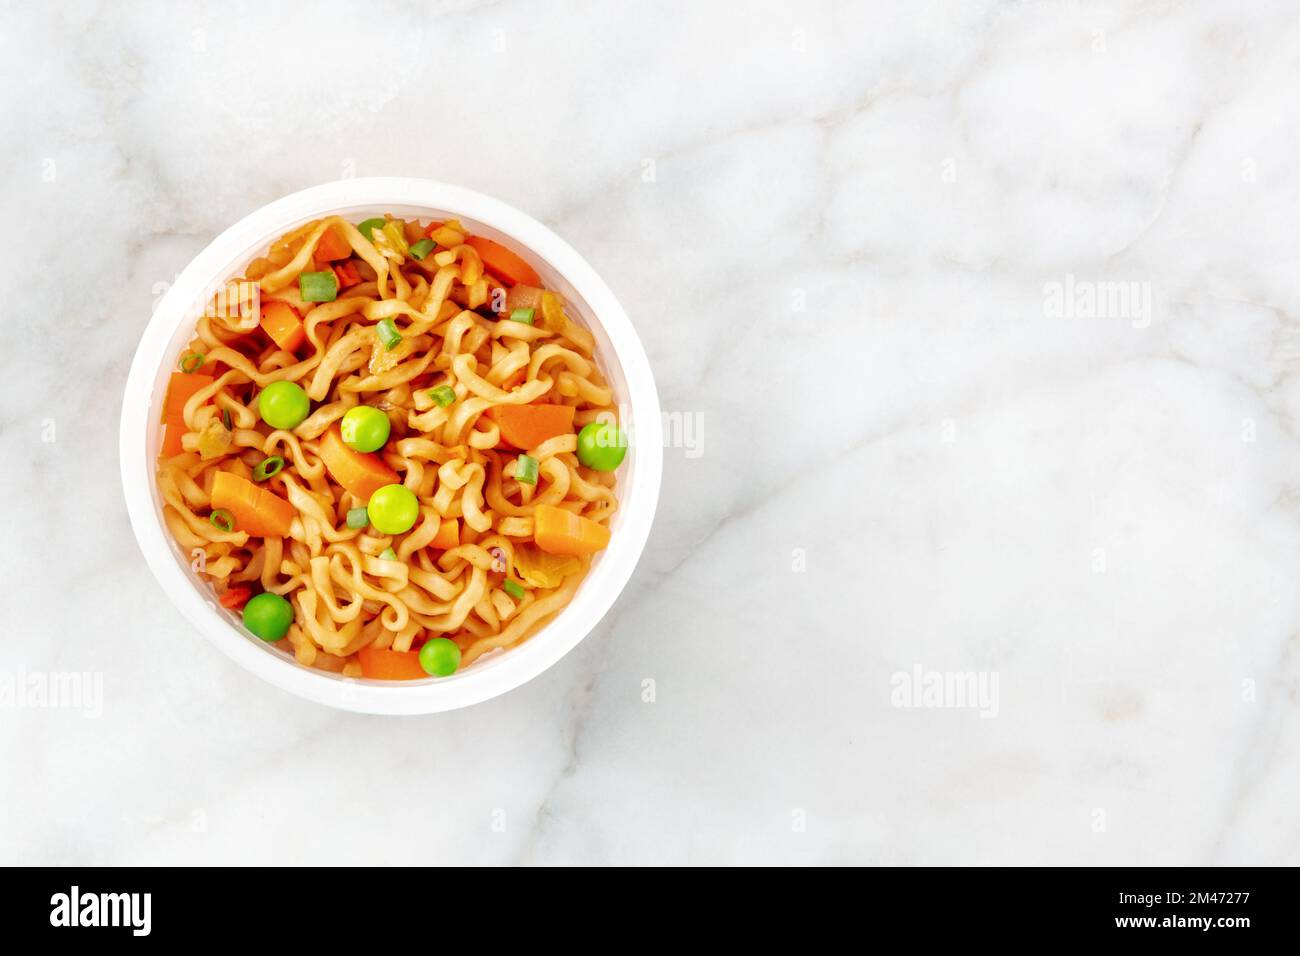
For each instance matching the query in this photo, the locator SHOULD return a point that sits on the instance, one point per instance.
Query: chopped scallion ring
(192, 361)
(388, 334)
(443, 395)
(388, 554)
(522, 315)
(222, 520)
(268, 468)
(514, 589)
(422, 248)
(358, 517)
(369, 226)
(526, 470)
(318, 286)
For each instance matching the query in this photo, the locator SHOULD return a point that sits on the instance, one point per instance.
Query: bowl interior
(578, 307)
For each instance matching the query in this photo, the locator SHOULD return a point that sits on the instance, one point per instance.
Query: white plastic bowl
(618, 352)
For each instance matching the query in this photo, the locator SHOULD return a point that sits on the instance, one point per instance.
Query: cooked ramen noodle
(389, 444)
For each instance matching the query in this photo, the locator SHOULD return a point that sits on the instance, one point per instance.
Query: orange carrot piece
(256, 510)
(448, 535)
(171, 443)
(282, 324)
(347, 274)
(383, 664)
(502, 263)
(236, 596)
(360, 473)
(527, 426)
(562, 532)
(182, 386)
(433, 227)
(180, 389)
(332, 246)
(515, 380)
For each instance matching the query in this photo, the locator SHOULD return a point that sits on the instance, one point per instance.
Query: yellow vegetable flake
(214, 440)
(541, 569)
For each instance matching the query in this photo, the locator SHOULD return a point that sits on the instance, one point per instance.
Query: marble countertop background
(977, 332)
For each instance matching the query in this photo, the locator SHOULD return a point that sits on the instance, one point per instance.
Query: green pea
(393, 509)
(283, 405)
(268, 616)
(601, 446)
(440, 657)
(365, 428)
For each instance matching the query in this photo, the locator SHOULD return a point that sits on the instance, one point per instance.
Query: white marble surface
(837, 228)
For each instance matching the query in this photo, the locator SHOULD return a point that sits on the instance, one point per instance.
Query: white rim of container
(639, 477)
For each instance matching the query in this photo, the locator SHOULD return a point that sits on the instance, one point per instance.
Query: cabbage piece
(390, 241)
(541, 569)
(214, 440)
(382, 358)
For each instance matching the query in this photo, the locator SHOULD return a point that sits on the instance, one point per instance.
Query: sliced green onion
(222, 520)
(422, 248)
(358, 517)
(522, 315)
(388, 554)
(192, 361)
(514, 589)
(388, 334)
(526, 470)
(443, 395)
(225, 419)
(268, 468)
(369, 226)
(318, 286)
